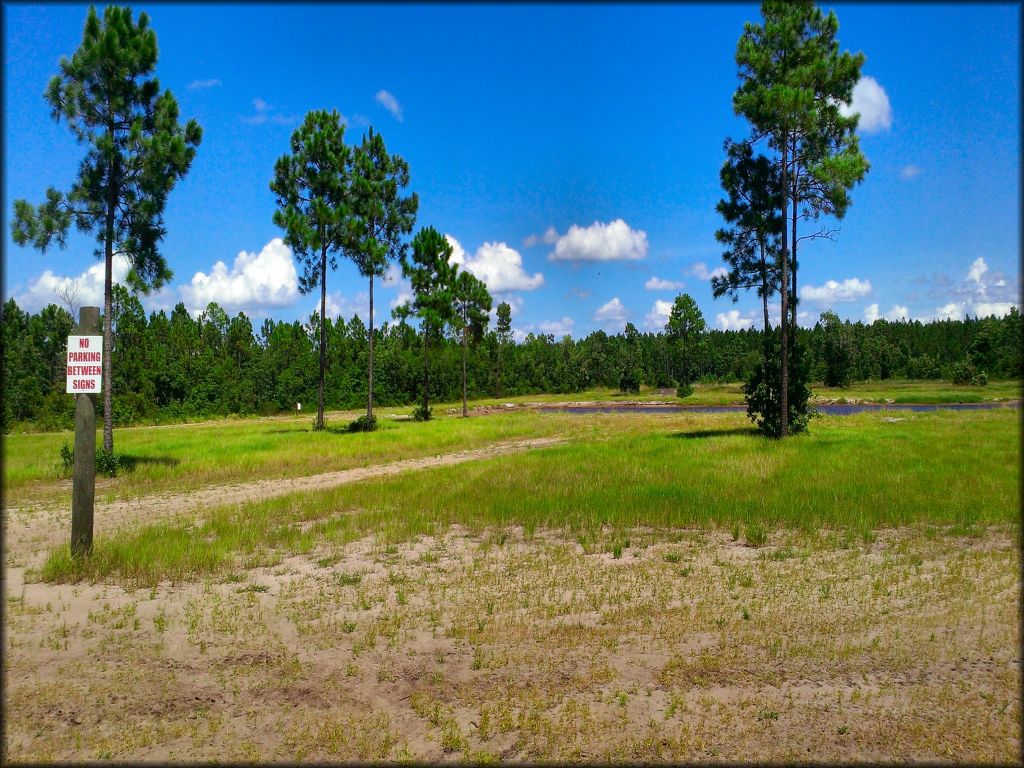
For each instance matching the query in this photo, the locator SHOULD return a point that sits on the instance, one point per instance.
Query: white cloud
(86, 289)
(339, 305)
(910, 171)
(498, 265)
(265, 114)
(611, 312)
(895, 313)
(832, 292)
(601, 242)
(658, 316)
(200, 85)
(733, 321)
(872, 102)
(549, 237)
(700, 271)
(997, 308)
(254, 283)
(558, 328)
(977, 271)
(981, 293)
(387, 100)
(657, 284)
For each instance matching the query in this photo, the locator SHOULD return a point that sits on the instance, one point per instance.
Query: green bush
(685, 389)
(964, 373)
(363, 424)
(107, 462)
(762, 391)
(422, 414)
(67, 458)
(629, 380)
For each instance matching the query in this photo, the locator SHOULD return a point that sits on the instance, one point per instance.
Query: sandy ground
(687, 646)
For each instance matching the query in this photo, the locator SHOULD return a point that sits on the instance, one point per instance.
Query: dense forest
(176, 366)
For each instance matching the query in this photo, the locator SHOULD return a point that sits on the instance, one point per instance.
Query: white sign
(85, 364)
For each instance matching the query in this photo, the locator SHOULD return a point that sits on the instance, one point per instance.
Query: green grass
(856, 473)
(185, 457)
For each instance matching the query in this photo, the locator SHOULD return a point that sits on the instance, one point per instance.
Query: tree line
(174, 366)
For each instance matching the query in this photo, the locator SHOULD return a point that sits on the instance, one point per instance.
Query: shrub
(422, 414)
(762, 391)
(363, 424)
(67, 458)
(107, 462)
(964, 373)
(685, 389)
(629, 380)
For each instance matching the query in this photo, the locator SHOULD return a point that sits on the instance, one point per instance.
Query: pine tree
(432, 278)
(471, 304)
(137, 151)
(312, 188)
(381, 217)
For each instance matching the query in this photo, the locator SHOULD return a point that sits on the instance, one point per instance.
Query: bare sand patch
(504, 646)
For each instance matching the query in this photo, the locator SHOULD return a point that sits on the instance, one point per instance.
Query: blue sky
(571, 152)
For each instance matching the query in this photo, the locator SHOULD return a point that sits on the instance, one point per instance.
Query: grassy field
(852, 473)
(655, 587)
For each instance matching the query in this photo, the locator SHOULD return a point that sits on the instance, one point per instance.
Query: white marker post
(84, 378)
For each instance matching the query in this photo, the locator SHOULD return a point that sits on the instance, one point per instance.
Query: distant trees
(471, 303)
(837, 351)
(176, 365)
(432, 278)
(793, 82)
(504, 334)
(684, 331)
(312, 189)
(137, 150)
(381, 216)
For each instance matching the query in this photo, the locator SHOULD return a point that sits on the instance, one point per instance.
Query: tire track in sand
(45, 529)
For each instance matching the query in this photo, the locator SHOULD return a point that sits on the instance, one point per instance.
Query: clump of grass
(755, 535)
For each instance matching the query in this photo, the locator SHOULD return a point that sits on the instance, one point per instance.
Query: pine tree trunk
(465, 411)
(369, 388)
(765, 290)
(784, 292)
(108, 317)
(426, 371)
(323, 340)
(796, 197)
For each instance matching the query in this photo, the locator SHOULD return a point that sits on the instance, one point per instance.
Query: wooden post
(83, 493)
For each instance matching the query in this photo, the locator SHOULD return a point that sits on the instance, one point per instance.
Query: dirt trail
(43, 528)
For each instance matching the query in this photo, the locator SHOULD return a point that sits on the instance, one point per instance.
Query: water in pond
(831, 409)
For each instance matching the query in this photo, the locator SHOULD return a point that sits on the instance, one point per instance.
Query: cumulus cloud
(611, 312)
(615, 241)
(981, 293)
(558, 328)
(657, 284)
(910, 172)
(339, 305)
(498, 265)
(387, 100)
(897, 312)
(733, 320)
(85, 289)
(201, 85)
(832, 292)
(549, 237)
(265, 113)
(658, 316)
(872, 103)
(701, 272)
(255, 282)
